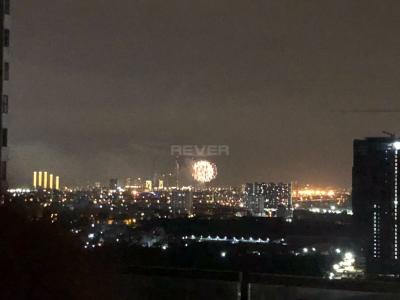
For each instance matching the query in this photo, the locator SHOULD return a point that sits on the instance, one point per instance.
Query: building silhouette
(254, 197)
(113, 183)
(45, 180)
(375, 201)
(259, 197)
(277, 194)
(182, 202)
(4, 88)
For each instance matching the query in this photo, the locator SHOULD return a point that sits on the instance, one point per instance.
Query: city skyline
(288, 97)
(200, 149)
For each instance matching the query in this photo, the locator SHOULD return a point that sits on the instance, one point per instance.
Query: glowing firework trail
(204, 171)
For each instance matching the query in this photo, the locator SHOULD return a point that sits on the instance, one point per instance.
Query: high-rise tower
(255, 199)
(376, 183)
(4, 88)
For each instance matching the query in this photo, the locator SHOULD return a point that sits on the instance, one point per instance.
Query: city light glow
(396, 145)
(313, 192)
(345, 268)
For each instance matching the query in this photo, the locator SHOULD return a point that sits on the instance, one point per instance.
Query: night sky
(102, 89)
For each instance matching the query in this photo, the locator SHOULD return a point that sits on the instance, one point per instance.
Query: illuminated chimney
(40, 178)
(57, 182)
(45, 180)
(35, 180)
(51, 181)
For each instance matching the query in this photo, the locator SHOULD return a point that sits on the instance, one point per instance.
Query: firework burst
(204, 171)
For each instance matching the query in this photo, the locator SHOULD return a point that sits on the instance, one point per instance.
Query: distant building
(160, 184)
(149, 186)
(254, 198)
(155, 179)
(57, 182)
(376, 183)
(45, 180)
(113, 183)
(34, 180)
(269, 196)
(281, 211)
(277, 194)
(138, 183)
(51, 181)
(4, 89)
(182, 202)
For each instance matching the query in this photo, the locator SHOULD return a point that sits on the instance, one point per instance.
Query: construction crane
(391, 135)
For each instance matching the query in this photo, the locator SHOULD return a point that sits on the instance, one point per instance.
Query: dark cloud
(101, 89)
